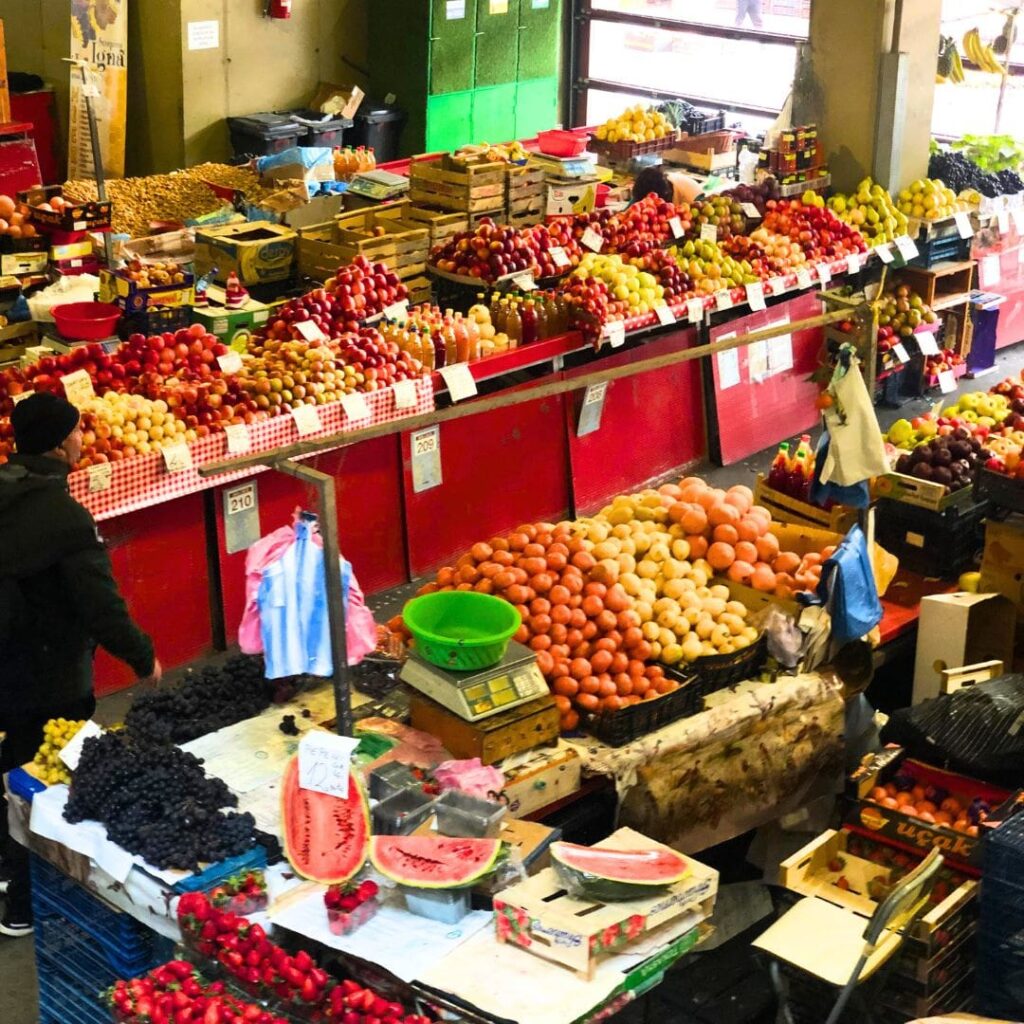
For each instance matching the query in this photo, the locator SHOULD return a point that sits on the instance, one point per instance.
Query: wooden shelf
(949, 301)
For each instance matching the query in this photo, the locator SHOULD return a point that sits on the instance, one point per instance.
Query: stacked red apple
(947, 359)
(488, 252)
(665, 268)
(590, 306)
(556, 235)
(644, 226)
(819, 232)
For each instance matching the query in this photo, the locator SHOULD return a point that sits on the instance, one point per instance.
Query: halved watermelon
(325, 837)
(433, 862)
(599, 873)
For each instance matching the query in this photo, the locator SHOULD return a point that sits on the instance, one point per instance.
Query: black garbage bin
(379, 127)
(263, 134)
(320, 129)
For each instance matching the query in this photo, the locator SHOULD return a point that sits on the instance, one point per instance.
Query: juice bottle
(528, 317)
(500, 317)
(371, 159)
(778, 474)
(801, 470)
(514, 325)
(461, 336)
(472, 329)
(540, 312)
(552, 315)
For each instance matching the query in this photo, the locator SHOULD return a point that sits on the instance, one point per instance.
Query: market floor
(17, 958)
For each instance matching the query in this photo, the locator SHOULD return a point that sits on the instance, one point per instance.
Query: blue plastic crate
(1004, 850)
(24, 785)
(219, 872)
(125, 942)
(63, 1002)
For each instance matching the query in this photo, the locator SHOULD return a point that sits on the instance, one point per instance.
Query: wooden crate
(785, 509)
(807, 872)
(420, 290)
(541, 917)
(941, 286)
(525, 193)
(548, 776)
(445, 183)
(440, 224)
(403, 247)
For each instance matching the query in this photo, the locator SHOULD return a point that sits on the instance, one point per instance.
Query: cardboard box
(339, 100)
(569, 199)
(1002, 565)
(117, 287)
(548, 776)
(71, 250)
(257, 252)
(21, 263)
(233, 326)
(960, 629)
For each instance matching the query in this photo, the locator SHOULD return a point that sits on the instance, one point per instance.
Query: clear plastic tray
(461, 815)
(402, 812)
(446, 905)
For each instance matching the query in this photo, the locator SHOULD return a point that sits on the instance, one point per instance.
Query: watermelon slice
(601, 873)
(433, 862)
(325, 837)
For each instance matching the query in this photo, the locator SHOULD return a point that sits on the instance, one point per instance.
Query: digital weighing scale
(515, 680)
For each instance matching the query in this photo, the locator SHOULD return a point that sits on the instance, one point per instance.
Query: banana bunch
(982, 54)
(950, 67)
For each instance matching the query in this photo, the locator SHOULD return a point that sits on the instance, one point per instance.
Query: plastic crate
(62, 1002)
(126, 944)
(935, 544)
(616, 728)
(950, 248)
(718, 671)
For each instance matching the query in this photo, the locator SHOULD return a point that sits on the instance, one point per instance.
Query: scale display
(475, 695)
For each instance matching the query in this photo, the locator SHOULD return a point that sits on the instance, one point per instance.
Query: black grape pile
(157, 802)
(202, 702)
(959, 173)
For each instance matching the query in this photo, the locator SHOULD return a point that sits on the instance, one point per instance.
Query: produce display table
(759, 752)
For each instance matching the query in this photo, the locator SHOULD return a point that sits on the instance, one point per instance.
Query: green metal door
(398, 62)
(449, 121)
(497, 41)
(536, 106)
(540, 23)
(494, 114)
(452, 45)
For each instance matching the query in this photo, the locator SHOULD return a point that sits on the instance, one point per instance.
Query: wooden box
(445, 183)
(494, 738)
(940, 286)
(440, 225)
(379, 235)
(786, 509)
(548, 776)
(526, 193)
(542, 918)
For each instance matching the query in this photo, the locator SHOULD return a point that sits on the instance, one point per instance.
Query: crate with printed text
(135, 292)
(540, 916)
(451, 185)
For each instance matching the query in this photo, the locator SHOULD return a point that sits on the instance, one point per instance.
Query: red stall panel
(368, 482)
(1010, 329)
(650, 424)
(159, 557)
(761, 393)
(498, 469)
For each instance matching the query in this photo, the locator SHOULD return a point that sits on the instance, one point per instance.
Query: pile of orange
(586, 632)
(950, 813)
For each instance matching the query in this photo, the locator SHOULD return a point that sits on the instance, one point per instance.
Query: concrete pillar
(867, 78)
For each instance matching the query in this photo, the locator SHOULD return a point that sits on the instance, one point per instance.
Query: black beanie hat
(41, 422)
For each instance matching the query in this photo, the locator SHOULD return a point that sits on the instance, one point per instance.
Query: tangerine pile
(930, 807)
(585, 632)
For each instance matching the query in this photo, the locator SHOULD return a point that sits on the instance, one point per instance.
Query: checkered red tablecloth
(144, 480)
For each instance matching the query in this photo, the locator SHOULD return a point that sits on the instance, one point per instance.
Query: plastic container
(459, 814)
(558, 142)
(379, 127)
(344, 922)
(402, 813)
(717, 671)
(391, 778)
(449, 906)
(86, 321)
(616, 728)
(319, 129)
(262, 134)
(937, 544)
(461, 629)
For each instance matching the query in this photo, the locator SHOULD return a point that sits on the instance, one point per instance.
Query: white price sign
(1003, 220)
(900, 353)
(307, 419)
(398, 311)
(1017, 213)
(459, 381)
(907, 247)
(964, 226)
(708, 233)
(324, 761)
(592, 240)
(559, 257)
(524, 282)
(15, 399)
(755, 297)
(884, 253)
(177, 457)
(310, 331)
(751, 210)
(78, 387)
(239, 441)
(355, 406)
(926, 343)
(803, 278)
(723, 300)
(853, 262)
(694, 310)
(777, 286)
(665, 315)
(230, 362)
(824, 273)
(947, 382)
(615, 332)
(72, 753)
(991, 272)
(676, 227)
(100, 477)
(405, 394)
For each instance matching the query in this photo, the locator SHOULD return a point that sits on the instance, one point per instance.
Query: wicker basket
(717, 671)
(624, 150)
(617, 728)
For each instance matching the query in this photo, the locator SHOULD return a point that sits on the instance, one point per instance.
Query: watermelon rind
(349, 859)
(602, 877)
(408, 859)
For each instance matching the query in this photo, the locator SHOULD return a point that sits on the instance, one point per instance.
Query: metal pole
(328, 511)
(97, 155)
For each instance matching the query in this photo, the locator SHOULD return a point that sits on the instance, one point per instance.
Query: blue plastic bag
(848, 589)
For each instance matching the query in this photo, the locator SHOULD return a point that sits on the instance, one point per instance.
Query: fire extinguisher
(279, 9)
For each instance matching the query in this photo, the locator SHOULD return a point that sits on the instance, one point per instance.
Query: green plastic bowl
(461, 630)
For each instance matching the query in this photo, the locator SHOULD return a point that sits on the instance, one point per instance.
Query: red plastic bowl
(86, 321)
(559, 142)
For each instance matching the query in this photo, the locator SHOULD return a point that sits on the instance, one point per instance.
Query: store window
(984, 103)
(631, 51)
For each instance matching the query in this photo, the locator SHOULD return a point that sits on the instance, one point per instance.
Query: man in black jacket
(58, 600)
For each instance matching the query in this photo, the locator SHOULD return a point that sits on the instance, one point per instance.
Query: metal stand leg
(328, 510)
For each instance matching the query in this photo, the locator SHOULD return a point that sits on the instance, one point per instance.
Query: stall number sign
(593, 406)
(241, 517)
(425, 449)
(324, 761)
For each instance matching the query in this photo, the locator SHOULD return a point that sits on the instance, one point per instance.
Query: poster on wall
(99, 37)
